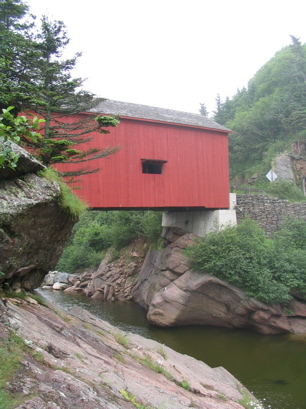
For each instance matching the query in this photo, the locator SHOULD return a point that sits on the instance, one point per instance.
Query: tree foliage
(266, 269)
(270, 112)
(97, 231)
(11, 130)
(58, 95)
(203, 110)
(35, 78)
(17, 54)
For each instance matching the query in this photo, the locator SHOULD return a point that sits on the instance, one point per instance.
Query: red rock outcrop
(79, 361)
(173, 294)
(113, 280)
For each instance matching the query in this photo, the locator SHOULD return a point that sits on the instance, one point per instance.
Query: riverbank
(163, 283)
(76, 360)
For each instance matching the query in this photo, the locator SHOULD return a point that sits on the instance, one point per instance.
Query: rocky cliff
(33, 226)
(76, 360)
(173, 294)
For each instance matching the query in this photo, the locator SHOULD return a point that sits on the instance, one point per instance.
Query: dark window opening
(153, 166)
(156, 168)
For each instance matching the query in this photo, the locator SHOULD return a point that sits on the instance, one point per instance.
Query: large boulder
(58, 277)
(33, 226)
(175, 295)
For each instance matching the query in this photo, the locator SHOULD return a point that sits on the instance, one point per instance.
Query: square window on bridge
(152, 166)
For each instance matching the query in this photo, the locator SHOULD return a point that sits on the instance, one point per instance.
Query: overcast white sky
(174, 53)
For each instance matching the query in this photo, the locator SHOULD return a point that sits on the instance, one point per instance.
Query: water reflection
(273, 367)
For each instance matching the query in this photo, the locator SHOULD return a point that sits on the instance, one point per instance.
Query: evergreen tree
(218, 113)
(223, 110)
(17, 54)
(57, 95)
(203, 110)
(34, 77)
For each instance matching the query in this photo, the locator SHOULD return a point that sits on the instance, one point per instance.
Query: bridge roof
(130, 110)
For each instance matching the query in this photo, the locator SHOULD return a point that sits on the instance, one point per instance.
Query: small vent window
(153, 166)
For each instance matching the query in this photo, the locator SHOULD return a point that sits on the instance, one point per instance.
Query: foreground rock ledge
(87, 363)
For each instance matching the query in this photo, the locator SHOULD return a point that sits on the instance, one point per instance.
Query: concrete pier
(201, 222)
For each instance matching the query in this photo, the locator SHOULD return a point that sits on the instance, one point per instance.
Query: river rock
(200, 299)
(59, 286)
(58, 277)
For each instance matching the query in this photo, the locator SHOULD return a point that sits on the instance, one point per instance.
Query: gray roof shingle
(130, 110)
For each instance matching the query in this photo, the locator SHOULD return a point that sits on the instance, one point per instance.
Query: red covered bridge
(168, 160)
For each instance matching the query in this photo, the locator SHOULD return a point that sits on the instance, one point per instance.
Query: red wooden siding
(195, 174)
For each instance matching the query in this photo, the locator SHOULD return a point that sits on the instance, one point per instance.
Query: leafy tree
(11, 130)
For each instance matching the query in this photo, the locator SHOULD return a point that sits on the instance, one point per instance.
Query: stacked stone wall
(269, 212)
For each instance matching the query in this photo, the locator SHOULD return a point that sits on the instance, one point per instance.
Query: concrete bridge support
(201, 222)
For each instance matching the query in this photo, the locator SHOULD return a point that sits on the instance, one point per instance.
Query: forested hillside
(267, 116)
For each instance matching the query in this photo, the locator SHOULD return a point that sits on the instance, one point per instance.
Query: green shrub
(151, 225)
(266, 269)
(97, 231)
(124, 231)
(186, 385)
(11, 130)
(283, 189)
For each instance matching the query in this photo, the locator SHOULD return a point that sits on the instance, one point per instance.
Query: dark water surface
(272, 367)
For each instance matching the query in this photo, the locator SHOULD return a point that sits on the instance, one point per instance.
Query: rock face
(284, 168)
(113, 280)
(79, 361)
(33, 226)
(173, 294)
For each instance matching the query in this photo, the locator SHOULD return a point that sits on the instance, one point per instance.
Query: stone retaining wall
(269, 212)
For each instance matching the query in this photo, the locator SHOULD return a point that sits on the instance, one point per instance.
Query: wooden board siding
(195, 174)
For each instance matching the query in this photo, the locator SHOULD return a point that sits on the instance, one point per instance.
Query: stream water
(272, 367)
